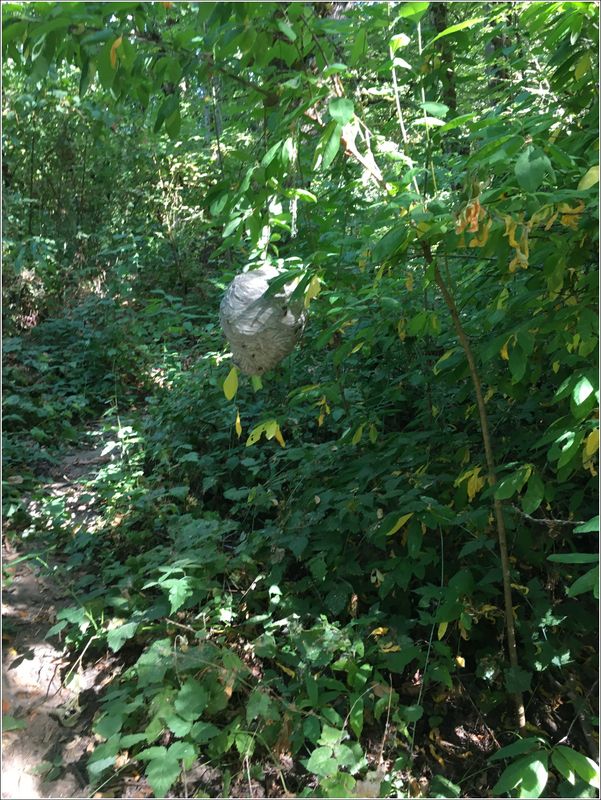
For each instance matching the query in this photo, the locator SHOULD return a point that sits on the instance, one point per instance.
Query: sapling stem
(492, 478)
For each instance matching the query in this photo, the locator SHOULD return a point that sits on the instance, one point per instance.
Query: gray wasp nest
(260, 328)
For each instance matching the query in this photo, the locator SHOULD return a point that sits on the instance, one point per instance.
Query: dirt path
(45, 755)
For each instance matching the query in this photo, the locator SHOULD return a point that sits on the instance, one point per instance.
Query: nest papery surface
(260, 328)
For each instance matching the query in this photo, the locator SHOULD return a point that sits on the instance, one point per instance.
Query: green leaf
(413, 10)
(340, 785)
(560, 763)
(342, 110)
(529, 773)
(331, 736)
(286, 29)
(468, 23)
(574, 558)
(456, 123)
(397, 662)
(183, 751)
(179, 590)
(442, 787)
(531, 168)
(517, 680)
(173, 124)
(167, 108)
(191, 700)
(436, 109)
(534, 494)
(582, 765)
(518, 748)
(535, 777)
(231, 227)
(582, 391)
(330, 142)
(103, 756)
(12, 723)
(588, 527)
(88, 71)
(162, 774)
(412, 713)
(517, 363)
(359, 47)
(321, 762)
(356, 717)
(117, 637)
(270, 154)
(511, 484)
(203, 732)
(178, 726)
(589, 582)
(260, 705)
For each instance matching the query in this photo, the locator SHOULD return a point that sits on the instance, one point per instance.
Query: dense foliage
(304, 576)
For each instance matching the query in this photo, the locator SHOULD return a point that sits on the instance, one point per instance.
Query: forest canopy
(373, 570)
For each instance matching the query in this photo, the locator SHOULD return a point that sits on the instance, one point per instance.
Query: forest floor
(49, 700)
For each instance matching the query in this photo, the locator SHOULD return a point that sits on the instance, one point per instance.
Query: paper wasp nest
(260, 328)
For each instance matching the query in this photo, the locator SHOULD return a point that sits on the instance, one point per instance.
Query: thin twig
(550, 523)
(381, 757)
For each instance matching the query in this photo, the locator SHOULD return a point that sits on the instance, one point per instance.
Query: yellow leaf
(570, 216)
(474, 484)
(437, 756)
(401, 330)
(287, 670)
(549, 224)
(373, 434)
(255, 434)
(358, 434)
(592, 443)
(555, 366)
(583, 65)
(390, 648)
(480, 241)
(230, 384)
(590, 178)
(379, 632)
(279, 438)
(460, 661)
(238, 425)
(313, 289)
(503, 351)
(271, 428)
(409, 283)
(399, 523)
(442, 359)
(442, 629)
(113, 54)
(489, 394)
(510, 228)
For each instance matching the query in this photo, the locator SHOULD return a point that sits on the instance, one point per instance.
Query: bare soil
(51, 699)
